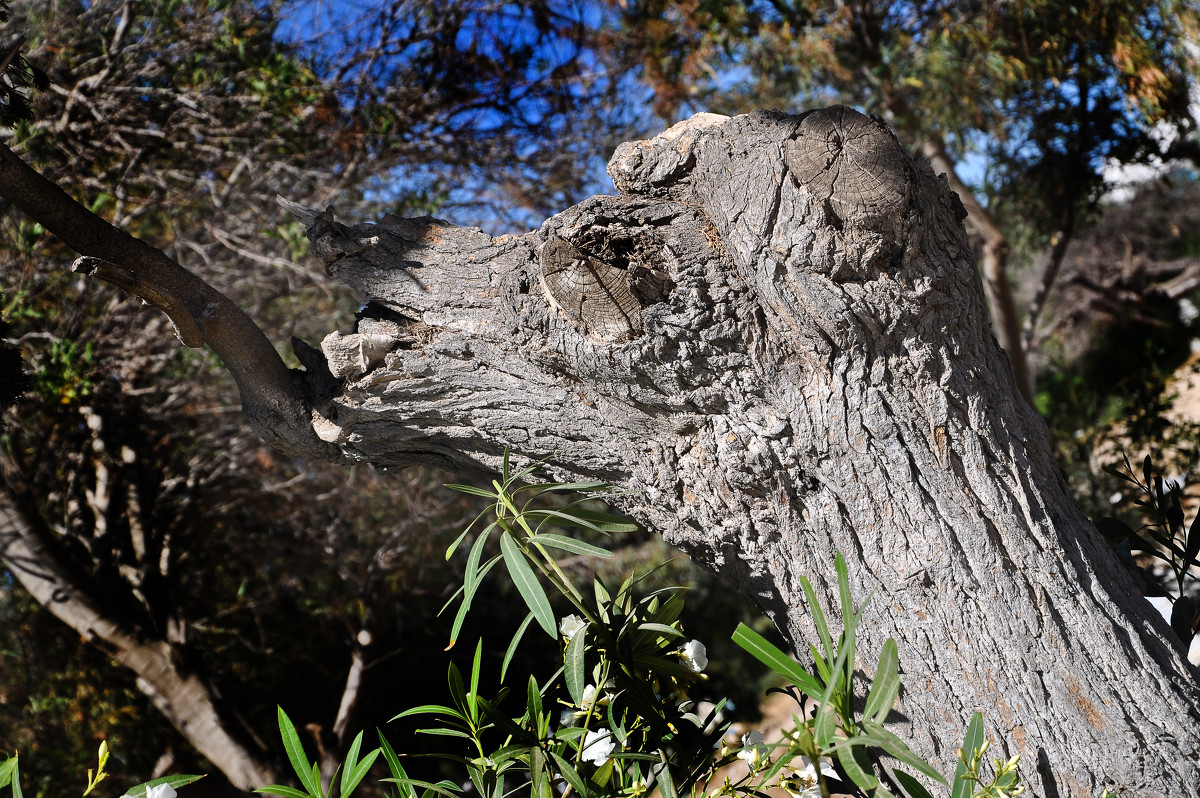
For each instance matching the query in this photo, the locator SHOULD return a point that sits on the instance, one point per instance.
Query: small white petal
(598, 745)
(695, 656)
(570, 625)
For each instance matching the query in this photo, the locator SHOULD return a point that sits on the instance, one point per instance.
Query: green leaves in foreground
(10, 776)
(522, 516)
(837, 730)
(353, 771)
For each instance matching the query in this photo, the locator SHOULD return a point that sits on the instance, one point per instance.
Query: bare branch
(271, 395)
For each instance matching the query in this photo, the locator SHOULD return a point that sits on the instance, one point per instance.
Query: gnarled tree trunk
(775, 340)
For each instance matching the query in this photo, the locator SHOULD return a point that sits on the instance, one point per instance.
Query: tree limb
(184, 698)
(272, 396)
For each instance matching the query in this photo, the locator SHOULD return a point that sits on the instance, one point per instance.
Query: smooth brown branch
(272, 396)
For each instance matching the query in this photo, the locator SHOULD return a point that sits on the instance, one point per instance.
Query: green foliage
(10, 777)
(837, 730)
(1165, 537)
(630, 723)
(353, 770)
(526, 540)
(1005, 781)
(101, 772)
(626, 672)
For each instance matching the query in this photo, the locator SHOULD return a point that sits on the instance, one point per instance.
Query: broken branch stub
(594, 295)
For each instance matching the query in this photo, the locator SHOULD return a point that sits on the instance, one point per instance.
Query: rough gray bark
(806, 368)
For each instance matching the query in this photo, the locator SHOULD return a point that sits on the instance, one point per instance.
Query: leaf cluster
(1165, 537)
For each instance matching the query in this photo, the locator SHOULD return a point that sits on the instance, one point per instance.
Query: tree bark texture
(188, 701)
(774, 341)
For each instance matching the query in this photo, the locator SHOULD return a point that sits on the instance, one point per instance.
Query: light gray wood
(814, 372)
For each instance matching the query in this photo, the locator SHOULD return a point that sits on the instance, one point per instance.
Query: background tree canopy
(179, 121)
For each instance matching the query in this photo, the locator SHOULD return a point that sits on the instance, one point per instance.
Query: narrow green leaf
(352, 755)
(449, 789)
(178, 780)
(506, 725)
(569, 544)
(886, 685)
(279, 789)
(389, 756)
(668, 612)
(442, 731)
(430, 709)
(471, 570)
(473, 695)
(860, 775)
(512, 645)
(893, 745)
(533, 704)
(910, 785)
(768, 654)
(576, 487)
(352, 778)
(818, 616)
(971, 742)
(462, 535)
(666, 784)
(466, 603)
(471, 489)
(295, 753)
(527, 584)
(540, 780)
(606, 522)
(7, 768)
(573, 666)
(660, 629)
(826, 715)
(1192, 548)
(570, 774)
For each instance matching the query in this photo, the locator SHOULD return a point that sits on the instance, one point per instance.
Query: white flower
(589, 697)
(1188, 312)
(753, 751)
(598, 746)
(569, 625)
(161, 791)
(695, 656)
(804, 782)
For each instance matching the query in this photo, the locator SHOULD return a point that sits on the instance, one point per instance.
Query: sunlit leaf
(527, 584)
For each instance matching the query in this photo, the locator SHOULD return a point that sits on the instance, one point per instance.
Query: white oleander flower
(161, 791)
(753, 751)
(598, 746)
(570, 625)
(804, 782)
(694, 655)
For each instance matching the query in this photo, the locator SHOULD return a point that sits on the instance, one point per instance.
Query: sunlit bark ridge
(774, 341)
